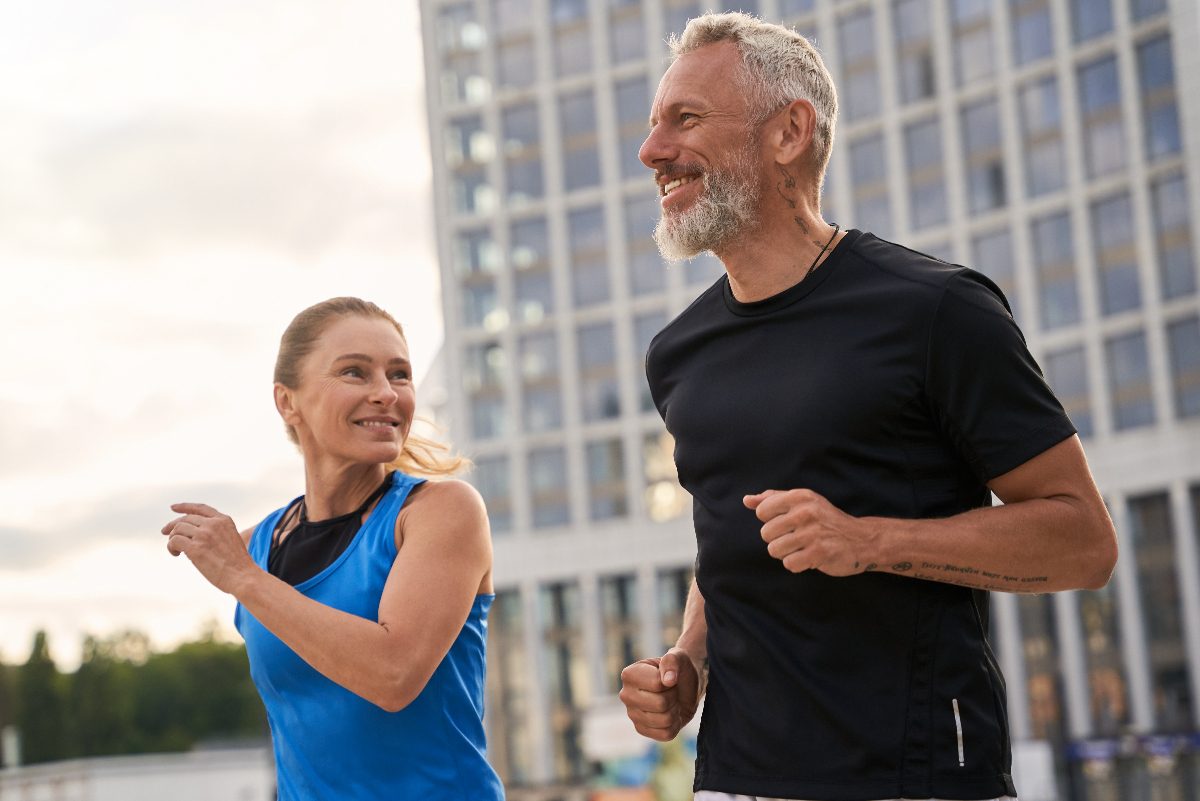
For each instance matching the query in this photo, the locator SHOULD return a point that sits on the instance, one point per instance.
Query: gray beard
(726, 209)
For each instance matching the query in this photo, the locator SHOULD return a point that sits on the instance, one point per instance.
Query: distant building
(234, 774)
(1052, 144)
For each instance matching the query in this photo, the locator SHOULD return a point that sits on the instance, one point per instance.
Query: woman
(364, 602)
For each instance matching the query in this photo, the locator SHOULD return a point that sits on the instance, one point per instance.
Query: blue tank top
(332, 744)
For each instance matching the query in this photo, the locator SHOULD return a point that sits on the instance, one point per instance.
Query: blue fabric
(330, 743)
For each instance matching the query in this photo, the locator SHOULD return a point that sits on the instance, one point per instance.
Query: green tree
(101, 699)
(40, 709)
(8, 712)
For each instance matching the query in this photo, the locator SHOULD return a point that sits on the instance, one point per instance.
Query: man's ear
(795, 125)
(285, 404)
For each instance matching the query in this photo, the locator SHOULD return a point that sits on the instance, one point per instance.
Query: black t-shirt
(893, 384)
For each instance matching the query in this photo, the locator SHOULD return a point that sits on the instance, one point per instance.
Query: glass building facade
(1054, 145)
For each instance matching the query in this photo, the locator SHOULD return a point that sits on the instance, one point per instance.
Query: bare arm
(1052, 533)
(445, 560)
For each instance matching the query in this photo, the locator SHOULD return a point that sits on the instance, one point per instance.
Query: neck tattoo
(836, 227)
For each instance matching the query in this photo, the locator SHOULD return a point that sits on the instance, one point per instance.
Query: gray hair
(780, 66)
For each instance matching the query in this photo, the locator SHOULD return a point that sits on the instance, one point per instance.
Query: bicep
(1060, 471)
(432, 585)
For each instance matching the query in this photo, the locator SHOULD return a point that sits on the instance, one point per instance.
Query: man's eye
(353, 372)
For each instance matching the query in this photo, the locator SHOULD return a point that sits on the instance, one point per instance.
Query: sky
(177, 181)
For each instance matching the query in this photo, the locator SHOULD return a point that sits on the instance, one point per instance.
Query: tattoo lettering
(901, 567)
(870, 567)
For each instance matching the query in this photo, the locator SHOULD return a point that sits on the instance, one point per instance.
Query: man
(843, 408)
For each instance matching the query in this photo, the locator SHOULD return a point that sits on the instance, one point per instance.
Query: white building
(230, 774)
(1052, 144)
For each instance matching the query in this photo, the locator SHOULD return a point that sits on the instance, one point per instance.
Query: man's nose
(657, 149)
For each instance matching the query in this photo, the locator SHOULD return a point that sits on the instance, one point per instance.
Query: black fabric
(314, 544)
(894, 385)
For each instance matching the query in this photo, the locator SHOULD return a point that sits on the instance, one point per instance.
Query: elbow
(1101, 556)
(399, 692)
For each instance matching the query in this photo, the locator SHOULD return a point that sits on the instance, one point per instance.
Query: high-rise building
(1052, 144)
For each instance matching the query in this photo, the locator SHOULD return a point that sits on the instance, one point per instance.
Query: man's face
(706, 159)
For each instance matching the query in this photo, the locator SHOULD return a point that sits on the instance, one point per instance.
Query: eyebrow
(362, 357)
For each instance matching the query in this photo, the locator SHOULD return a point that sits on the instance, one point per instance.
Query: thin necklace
(836, 227)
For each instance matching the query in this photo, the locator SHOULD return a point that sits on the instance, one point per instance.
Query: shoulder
(448, 504)
(910, 269)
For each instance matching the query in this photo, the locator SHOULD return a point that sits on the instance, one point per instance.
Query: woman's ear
(285, 404)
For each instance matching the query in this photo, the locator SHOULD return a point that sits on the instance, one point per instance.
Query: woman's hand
(212, 542)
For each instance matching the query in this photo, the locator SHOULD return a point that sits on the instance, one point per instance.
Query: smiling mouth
(671, 186)
(377, 424)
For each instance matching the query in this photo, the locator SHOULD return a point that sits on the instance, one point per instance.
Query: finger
(177, 544)
(799, 561)
(668, 669)
(780, 548)
(643, 675)
(201, 509)
(752, 501)
(657, 720)
(645, 701)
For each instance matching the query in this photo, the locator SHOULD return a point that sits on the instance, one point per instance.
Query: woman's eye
(400, 375)
(352, 372)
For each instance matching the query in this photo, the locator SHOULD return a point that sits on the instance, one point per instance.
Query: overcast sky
(177, 180)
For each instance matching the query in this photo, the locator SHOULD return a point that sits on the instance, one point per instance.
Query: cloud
(133, 517)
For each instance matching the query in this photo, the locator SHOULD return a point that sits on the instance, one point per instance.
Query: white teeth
(375, 424)
(668, 188)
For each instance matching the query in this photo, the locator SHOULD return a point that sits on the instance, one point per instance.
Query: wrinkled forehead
(710, 76)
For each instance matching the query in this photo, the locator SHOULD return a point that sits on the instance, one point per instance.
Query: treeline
(127, 699)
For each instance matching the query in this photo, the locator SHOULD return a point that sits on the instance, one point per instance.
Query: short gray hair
(780, 66)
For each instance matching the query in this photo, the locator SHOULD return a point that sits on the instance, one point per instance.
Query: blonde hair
(779, 65)
(419, 456)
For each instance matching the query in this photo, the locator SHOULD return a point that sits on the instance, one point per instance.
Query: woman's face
(356, 399)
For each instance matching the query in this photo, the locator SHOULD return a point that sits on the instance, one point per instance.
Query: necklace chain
(836, 227)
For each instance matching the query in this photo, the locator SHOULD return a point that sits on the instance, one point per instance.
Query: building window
(483, 379)
(1090, 18)
(1183, 339)
(491, 477)
(572, 37)
(1043, 680)
(589, 257)
(599, 388)
(566, 675)
(461, 38)
(516, 63)
(1172, 232)
(619, 608)
(868, 175)
(522, 152)
(859, 88)
(1152, 534)
(984, 156)
(645, 327)
(479, 303)
(475, 253)
(647, 274)
(539, 377)
(632, 98)
(665, 499)
(704, 269)
(676, 13)
(581, 157)
(914, 50)
(1116, 254)
(548, 487)
(992, 255)
(1054, 262)
(533, 280)
(606, 480)
(626, 32)
(1160, 115)
(1140, 9)
(673, 587)
(1100, 105)
(927, 185)
(510, 746)
(1106, 673)
(1033, 33)
(1041, 128)
(1129, 380)
(974, 57)
(1066, 373)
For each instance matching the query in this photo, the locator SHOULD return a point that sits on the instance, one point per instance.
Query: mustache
(673, 171)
